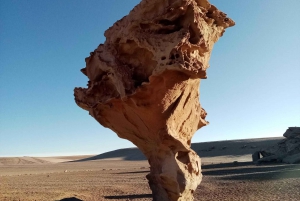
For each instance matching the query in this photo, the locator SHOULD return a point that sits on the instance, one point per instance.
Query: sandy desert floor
(114, 178)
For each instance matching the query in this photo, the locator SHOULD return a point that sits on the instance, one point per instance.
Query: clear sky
(252, 90)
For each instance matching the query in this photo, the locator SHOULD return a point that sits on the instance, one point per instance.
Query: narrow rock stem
(167, 180)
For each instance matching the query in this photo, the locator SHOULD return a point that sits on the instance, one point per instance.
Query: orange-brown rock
(144, 85)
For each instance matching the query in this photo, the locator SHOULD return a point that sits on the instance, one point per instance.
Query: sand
(120, 175)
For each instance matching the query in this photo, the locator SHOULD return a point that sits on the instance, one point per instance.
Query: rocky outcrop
(286, 151)
(255, 156)
(144, 85)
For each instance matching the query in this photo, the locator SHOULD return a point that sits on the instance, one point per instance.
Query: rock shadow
(129, 154)
(70, 199)
(232, 147)
(226, 165)
(257, 173)
(137, 196)
(135, 172)
(203, 149)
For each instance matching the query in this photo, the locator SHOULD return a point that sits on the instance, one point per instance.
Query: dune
(120, 175)
(62, 159)
(210, 152)
(215, 151)
(27, 160)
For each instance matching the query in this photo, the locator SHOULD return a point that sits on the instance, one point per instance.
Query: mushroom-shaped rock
(144, 85)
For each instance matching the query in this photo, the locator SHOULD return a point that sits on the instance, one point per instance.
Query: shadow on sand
(129, 154)
(203, 149)
(70, 199)
(226, 165)
(135, 172)
(245, 171)
(232, 147)
(129, 196)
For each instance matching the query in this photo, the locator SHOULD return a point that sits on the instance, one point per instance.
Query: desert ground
(228, 174)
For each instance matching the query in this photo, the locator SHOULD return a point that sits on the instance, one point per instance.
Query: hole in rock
(118, 40)
(169, 26)
(183, 157)
(194, 37)
(138, 60)
(139, 79)
(144, 26)
(165, 22)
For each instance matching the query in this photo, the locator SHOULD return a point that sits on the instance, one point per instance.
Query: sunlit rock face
(144, 85)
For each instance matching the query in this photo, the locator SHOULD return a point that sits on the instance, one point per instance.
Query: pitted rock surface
(144, 85)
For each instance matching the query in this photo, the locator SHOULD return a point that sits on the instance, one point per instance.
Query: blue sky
(252, 88)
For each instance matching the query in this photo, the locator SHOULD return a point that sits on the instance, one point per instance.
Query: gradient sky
(252, 90)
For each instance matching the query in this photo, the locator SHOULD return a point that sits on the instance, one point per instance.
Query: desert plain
(227, 168)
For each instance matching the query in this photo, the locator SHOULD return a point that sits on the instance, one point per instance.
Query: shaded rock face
(144, 85)
(287, 150)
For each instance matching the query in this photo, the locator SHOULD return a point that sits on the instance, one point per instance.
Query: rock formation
(144, 85)
(287, 150)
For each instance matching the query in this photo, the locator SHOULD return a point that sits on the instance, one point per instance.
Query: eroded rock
(144, 85)
(287, 150)
(255, 156)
